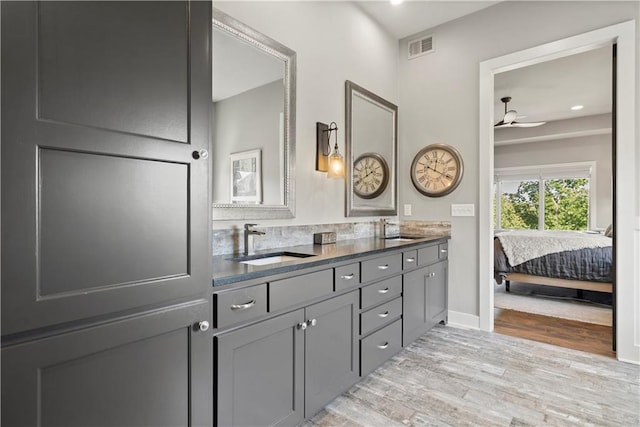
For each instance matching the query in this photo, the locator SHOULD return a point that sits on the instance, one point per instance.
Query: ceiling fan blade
(526, 124)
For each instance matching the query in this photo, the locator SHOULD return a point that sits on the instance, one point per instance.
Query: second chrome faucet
(249, 231)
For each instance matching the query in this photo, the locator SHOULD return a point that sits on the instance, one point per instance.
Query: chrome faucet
(247, 232)
(383, 227)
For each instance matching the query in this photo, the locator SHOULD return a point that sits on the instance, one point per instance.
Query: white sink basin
(270, 260)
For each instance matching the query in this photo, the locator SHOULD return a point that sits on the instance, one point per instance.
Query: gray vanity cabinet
(331, 350)
(151, 369)
(277, 371)
(260, 373)
(424, 301)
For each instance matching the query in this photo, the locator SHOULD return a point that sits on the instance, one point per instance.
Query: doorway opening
(623, 36)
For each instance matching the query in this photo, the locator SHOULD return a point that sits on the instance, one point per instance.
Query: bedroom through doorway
(554, 201)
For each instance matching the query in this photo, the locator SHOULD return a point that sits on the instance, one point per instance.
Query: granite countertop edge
(228, 271)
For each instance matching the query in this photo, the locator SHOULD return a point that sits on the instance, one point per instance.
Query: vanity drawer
(443, 250)
(428, 255)
(295, 290)
(378, 268)
(347, 276)
(380, 346)
(240, 305)
(409, 259)
(378, 316)
(381, 291)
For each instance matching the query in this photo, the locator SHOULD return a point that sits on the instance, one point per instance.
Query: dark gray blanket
(593, 264)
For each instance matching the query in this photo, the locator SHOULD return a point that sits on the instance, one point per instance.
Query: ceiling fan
(509, 120)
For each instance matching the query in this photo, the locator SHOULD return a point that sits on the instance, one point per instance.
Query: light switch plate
(407, 210)
(463, 209)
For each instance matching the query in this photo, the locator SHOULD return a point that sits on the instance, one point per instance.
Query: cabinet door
(424, 301)
(104, 207)
(260, 372)
(331, 350)
(415, 319)
(437, 293)
(150, 370)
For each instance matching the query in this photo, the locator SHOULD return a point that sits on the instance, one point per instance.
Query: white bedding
(523, 245)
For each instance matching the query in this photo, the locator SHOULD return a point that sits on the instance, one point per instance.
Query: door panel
(153, 196)
(101, 65)
(102, 210)
(149, 370)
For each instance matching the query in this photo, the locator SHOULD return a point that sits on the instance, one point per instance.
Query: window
(566, 204)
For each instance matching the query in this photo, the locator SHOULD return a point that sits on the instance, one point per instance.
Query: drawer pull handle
(383, 267)
(347, 276)
(443, 251)
(383, 291)
(385, 314)
(383, 346)
(411, 259)
(243, 306)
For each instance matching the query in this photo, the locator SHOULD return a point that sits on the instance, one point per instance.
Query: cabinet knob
(203, 326)
(433, 274)
(443, 251)
(200, 154)
(302, 325)
(312, 322)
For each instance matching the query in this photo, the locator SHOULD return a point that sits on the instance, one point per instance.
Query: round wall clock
(370, 175)
(437, 170)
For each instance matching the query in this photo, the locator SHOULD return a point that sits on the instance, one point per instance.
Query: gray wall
(589, 148)
(439, 102)
(249, 121)
(334, 42)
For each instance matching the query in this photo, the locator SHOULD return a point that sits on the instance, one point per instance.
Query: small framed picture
(246, 177)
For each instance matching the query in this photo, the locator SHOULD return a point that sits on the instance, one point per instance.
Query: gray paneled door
(148, 370)
(105, 207)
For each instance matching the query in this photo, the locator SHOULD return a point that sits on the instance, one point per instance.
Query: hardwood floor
(587, 337)
(459, 377)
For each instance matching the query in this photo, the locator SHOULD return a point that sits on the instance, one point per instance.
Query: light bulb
(336, 165)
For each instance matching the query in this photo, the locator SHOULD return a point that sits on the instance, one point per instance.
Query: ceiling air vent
(420, 46)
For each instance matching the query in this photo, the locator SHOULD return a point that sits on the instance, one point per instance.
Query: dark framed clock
(437, 170)
(370, 175)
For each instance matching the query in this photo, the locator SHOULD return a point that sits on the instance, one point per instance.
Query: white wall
(439, 102)
(334, 42)
(589, 148)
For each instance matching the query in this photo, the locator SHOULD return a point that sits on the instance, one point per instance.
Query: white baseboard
(463, 320)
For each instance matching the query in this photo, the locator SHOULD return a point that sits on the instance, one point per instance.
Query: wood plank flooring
(464, 377)
(588, 337)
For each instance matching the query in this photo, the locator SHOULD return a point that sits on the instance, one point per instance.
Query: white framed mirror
(371, 153)
(253, 123)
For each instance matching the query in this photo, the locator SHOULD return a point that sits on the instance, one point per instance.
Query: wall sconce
(327, 161)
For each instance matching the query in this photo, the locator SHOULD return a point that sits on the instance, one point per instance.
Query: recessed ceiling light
(577, 107)
(396, 2)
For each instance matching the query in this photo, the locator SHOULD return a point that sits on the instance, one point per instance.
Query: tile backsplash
(231, 240)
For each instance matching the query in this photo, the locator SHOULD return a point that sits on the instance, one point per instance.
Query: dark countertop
(227, 271)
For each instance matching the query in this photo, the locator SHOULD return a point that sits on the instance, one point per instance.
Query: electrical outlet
(463, 209)
(407, 210)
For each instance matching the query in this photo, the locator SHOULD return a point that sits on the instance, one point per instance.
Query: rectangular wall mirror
(253, 123)
(371, 153)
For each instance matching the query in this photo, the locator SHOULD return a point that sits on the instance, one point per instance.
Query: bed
(568, 259)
